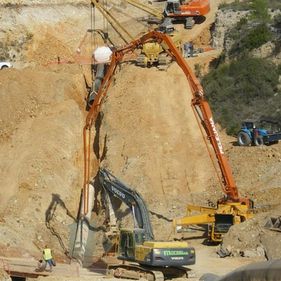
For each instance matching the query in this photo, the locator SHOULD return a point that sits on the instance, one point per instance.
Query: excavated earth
(147, 136)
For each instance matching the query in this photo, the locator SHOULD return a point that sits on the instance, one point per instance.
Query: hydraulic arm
(131, 198)
(155, 259)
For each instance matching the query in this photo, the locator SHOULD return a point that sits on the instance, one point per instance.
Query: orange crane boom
(235, 208)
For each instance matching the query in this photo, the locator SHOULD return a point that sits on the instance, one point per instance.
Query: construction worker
(191, 48)
(188, 49)
(48, 258)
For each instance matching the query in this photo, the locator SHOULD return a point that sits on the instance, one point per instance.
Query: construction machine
(177, 10)
(259, 132)
(152, 53)
(232, 208)
(190, 11)
(147, 258)
(155, 53)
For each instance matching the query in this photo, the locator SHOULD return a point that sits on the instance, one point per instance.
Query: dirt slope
(152, 138)
(42, 114)
(40, 151)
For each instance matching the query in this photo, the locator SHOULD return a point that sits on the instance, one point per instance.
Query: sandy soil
(40, 151)
(152, 140)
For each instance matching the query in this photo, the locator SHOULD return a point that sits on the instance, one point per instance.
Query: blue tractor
(260, 132)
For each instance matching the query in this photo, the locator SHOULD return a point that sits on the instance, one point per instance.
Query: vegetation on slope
(247, 87)
(243, 89)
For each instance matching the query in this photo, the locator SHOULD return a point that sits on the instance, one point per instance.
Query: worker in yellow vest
(48, 258)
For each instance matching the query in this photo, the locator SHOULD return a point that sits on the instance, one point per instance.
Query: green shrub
(242, 89)
(240, 28)
(257, 37)
(259, 7)
(235, 5)
(252, 38)
(279, 69)
(198, 70)
(242, 23)
(260, 10)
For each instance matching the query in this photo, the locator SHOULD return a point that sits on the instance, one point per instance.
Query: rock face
(225, 21)
(26, 25)
(42, 114)
(265, 51)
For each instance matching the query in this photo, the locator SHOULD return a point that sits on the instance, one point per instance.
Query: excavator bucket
(273, 223)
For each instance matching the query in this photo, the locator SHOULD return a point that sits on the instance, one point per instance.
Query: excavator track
(189, 23)
(164, 59)
(141, 60)
(134, 271)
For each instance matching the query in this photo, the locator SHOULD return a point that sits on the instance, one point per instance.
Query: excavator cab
(133, 246)
(128, 241)
(172, 7)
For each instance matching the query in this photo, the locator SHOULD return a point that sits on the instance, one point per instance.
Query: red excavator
(177, 10)
(230, 209)
(180, 8)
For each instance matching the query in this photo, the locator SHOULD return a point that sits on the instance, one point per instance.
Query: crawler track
(137, 272)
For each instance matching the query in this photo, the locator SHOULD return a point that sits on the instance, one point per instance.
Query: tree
(260, 10)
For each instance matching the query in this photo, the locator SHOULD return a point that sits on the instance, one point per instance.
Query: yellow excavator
(150, 259)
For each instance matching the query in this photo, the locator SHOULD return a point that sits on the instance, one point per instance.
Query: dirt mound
(257, 171)
(50, 50)
(257, 174)
(253, 239)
